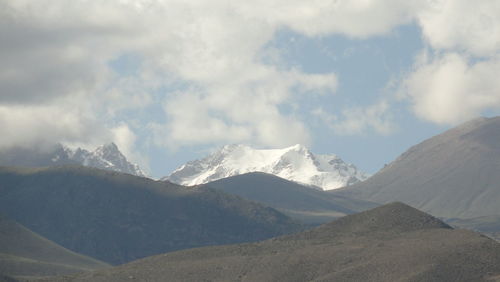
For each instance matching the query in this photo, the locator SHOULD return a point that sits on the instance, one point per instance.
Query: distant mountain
(28, 255)
(452, 175)
(310, 206)
(294, 163)
(390, 243)
(107, 156)
(117, 217)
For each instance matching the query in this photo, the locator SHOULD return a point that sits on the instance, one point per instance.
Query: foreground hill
(308, 205)
(390, 243)
(295, 163)
(26, 254)
(452, 175)
(117, 217)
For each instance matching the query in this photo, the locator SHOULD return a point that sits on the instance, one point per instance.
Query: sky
(170, 81)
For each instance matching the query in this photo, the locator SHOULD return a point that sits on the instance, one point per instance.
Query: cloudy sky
(168, 81)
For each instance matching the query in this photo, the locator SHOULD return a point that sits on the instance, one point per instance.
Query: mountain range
(295, 163)
(394, 242)
(106, 156)
(121, 218)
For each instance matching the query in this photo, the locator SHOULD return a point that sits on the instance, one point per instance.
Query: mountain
(295, 163)
(308, 205)
(24, 253)
(394, 242)
(117, 217)
(107, 156)
(452, 175)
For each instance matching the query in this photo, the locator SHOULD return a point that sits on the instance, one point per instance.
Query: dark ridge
(117, 217)
(303, 203)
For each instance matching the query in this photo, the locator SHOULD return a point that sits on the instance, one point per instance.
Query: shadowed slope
(295, 200)
(118, 217)
(391, 243)
(24, 253)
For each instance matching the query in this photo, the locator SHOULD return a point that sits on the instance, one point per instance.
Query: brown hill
(391, 243)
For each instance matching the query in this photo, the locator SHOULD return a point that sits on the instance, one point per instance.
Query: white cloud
(55, 50)
(44, 125)
(359, 120)
(52, 50)
(360, 19)
(470, 26)
(125, 139)
(455, 79)
(244, 112)
(450, 88)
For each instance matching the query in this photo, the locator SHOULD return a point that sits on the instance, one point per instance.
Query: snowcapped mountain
(107, 156)
(294, 163)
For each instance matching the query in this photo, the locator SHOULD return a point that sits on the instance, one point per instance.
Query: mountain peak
(295, 163)
(109, 150)
(109, 147)
(298, 147)
(106, 156)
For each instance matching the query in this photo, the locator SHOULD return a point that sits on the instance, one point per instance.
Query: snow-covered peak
(294, 163)
(106, 156)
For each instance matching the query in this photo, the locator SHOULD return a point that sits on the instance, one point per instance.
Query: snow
(107, 156)
(295, 163)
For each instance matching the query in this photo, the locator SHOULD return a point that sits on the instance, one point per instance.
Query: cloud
(461, 25)
(26, 126)
(201, 62)
(451, 88)
(244, 112)
(359, 120)
(125, 139)
(454, 79)
(360, 19)
(52, 51)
